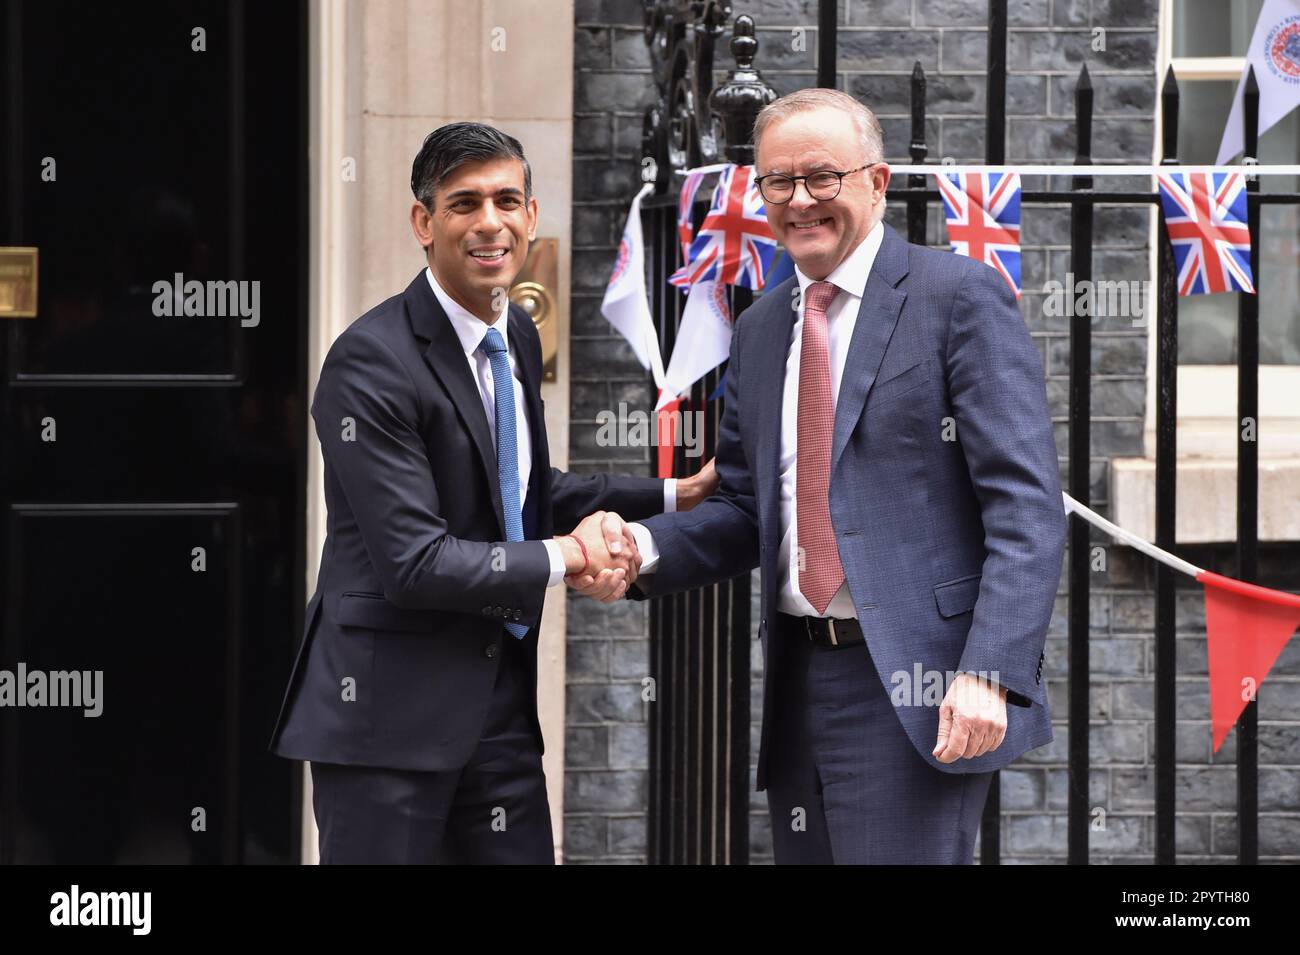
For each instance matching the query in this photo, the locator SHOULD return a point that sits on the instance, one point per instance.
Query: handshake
(601, 557)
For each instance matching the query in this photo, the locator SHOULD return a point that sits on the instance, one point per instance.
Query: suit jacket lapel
(766, 376)
(446, 358)
(877, 317)
(529, 357)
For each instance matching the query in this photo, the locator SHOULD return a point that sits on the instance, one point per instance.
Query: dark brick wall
(606, 742)
(606, 782)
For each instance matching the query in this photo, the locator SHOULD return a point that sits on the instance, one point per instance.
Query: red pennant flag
(666, 422)
(1246, 628)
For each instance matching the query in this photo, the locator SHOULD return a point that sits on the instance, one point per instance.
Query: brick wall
(606, 783)
(606, 756)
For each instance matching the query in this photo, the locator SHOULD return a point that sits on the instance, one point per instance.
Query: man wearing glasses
(887, 460)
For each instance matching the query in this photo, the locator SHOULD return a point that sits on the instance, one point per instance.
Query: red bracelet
(586, 561)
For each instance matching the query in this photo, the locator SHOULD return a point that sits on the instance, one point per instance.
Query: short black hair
(455, 144)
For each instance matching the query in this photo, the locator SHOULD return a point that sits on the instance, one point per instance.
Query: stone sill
(1207, 499)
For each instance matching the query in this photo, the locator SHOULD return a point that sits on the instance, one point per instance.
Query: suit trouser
(845, 783)
(492, 810)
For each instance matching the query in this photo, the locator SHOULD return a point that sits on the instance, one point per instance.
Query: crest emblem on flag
(1206, 217)
(982, 210)
(620, 263)
(1283, 48)
(718, 301)
(735, 244)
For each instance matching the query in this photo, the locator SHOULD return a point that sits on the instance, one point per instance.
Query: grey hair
(868, 127)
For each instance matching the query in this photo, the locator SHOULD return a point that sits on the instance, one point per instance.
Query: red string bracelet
(586, 561)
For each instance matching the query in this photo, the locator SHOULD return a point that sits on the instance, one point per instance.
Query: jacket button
(490, 651)
(518, 614)
(487, 611)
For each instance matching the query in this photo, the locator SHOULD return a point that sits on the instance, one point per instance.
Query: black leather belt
(823, 631)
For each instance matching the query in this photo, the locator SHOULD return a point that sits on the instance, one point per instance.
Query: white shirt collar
(470, 329)
(851, 274)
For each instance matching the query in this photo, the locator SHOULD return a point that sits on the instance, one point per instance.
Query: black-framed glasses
(823, 185)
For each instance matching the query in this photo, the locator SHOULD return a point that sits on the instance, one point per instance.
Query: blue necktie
(503, 385)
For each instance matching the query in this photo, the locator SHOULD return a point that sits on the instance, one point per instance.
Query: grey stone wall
(606, 782)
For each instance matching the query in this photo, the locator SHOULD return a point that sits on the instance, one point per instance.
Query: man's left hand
(692, 490)
(972, 719)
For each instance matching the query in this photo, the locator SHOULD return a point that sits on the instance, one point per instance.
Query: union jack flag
(735, 245)
(983, 214)
(1206, 217)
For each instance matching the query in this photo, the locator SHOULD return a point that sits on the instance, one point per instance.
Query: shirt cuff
(558, 567)
(670, 496)
(645, 543)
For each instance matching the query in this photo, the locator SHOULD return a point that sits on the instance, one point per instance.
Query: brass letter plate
(17, 282)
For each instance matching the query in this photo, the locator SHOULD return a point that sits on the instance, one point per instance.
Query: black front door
(152, 469)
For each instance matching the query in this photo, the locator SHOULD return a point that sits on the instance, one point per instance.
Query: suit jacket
(416, 578)
(944, 490)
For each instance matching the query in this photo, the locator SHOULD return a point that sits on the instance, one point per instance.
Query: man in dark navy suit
(414, 691)
(887, 460)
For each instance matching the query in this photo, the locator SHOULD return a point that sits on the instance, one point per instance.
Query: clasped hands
(601, 558)
(605, 562)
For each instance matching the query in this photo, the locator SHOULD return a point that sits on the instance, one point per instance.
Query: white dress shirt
(471, 330)
(850, 277)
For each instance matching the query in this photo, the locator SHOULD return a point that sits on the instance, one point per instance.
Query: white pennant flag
(703, 339)
(1275, 54)
(626, 305)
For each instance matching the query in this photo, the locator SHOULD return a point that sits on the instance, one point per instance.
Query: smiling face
(476, 238)
(820, 234)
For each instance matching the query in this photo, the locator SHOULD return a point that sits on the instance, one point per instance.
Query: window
(1206, 43)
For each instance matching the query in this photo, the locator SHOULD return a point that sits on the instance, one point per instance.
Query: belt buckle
(812, 623)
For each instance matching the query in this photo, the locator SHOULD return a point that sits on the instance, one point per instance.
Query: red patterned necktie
(820, 574)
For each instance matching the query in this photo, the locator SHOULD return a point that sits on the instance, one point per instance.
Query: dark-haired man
(413, 694)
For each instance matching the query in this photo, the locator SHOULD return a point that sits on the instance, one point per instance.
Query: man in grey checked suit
(887, 460)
